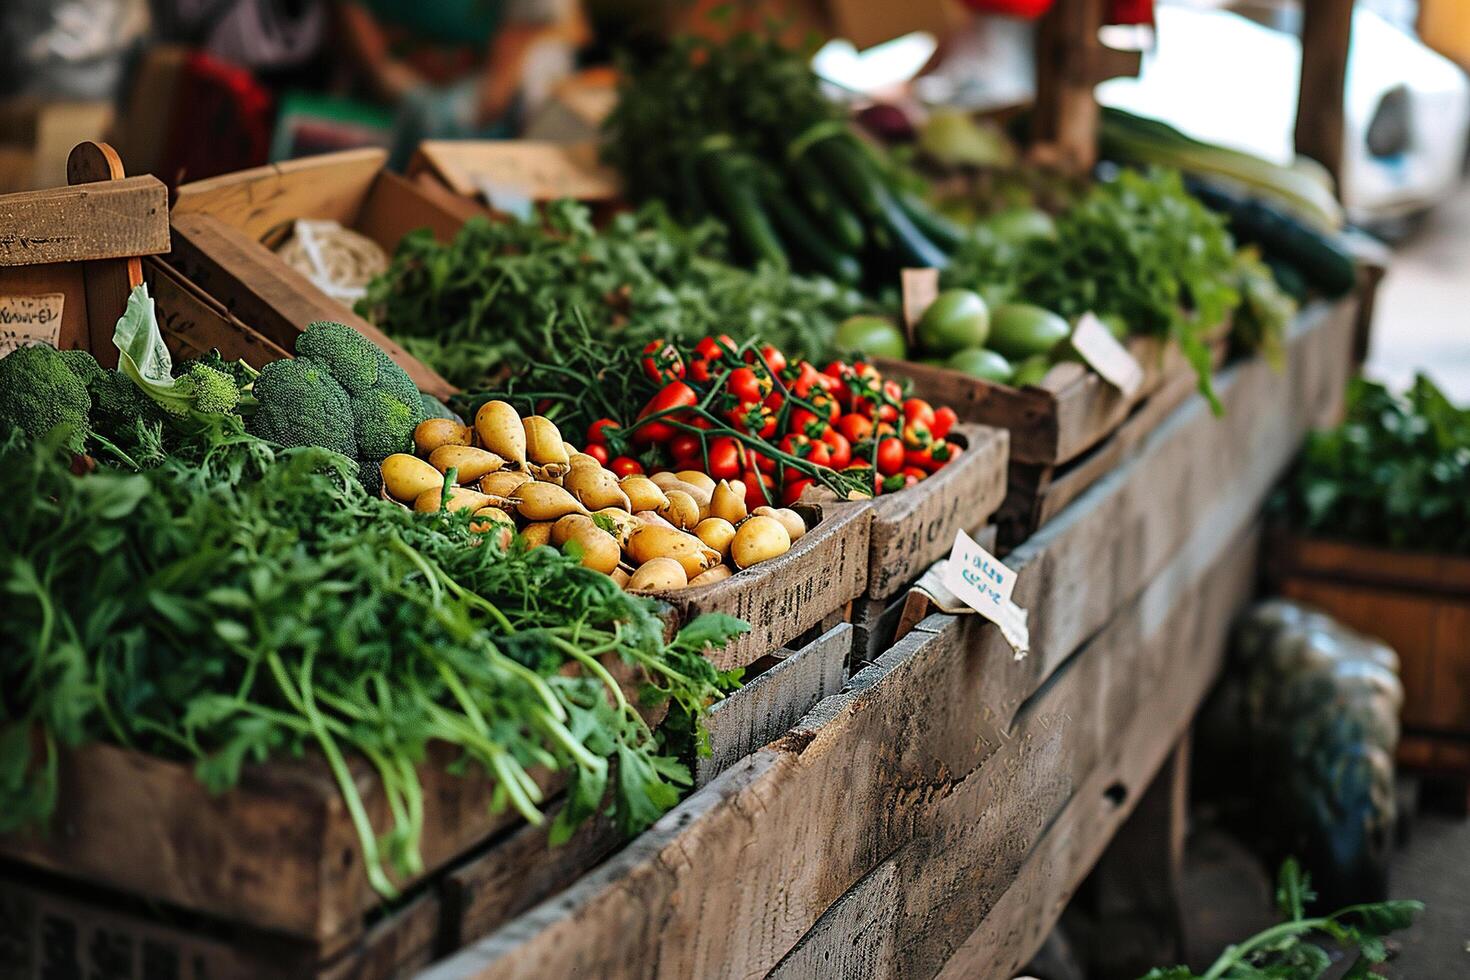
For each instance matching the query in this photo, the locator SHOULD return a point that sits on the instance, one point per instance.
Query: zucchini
(913, 248)
(845, 227)
(732, 188)
(1318, 257)
(846, 167)
(804, 236)
(935, 226)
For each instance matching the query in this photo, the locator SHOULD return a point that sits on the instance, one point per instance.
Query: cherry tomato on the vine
(685, 447)
(944, 420)
(661, 362)
(838, 446)
(748, 386)
(890, 456)
(855, 427)
(625, 466)
(793, 491)
(596, 431)
(675, 394)
(775, 360)
(918, 410)
(598, 452)
(724, 458)
(760, 489)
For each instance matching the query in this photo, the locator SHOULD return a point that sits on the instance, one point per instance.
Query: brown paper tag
(1102, 352)
(28, 320)
(541, 171)
(920, 289)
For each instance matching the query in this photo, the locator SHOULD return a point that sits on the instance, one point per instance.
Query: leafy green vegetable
(1282, 951)
(1394, 473)
(143, 357)
(239, 601)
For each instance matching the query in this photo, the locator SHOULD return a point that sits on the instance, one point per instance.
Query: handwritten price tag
(979, 580)
(1102, 352)
(28, 320)
(920, 290)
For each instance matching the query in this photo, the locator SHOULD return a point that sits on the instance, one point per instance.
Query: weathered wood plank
(261, 290)
(110, 220)
(260, 200)
(193, 324)
(540, 170)
(772, 702)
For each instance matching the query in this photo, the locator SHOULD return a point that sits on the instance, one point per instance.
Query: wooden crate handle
(108, 281)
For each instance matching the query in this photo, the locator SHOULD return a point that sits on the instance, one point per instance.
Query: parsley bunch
(236, 602)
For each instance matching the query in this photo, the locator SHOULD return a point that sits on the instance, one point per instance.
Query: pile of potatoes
(650, 533)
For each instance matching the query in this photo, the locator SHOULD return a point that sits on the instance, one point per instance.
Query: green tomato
(957, 319)
(1020, 330)
(1020, 225)
(871, 335)
(978, 362)
(1031, 370)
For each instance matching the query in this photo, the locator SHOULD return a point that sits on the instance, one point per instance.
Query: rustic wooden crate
(224, 227)
(1056, 420)
(782, 598)
(521, 870)
(1419, 604)
(537, 170)
(947, 803)
(51, 930)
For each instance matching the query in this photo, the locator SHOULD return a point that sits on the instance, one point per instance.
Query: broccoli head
(210, 390)
(299, 403)
(342, 393)
(83, 365)
(39, 391)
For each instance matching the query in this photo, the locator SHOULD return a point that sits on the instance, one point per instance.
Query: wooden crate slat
(258, 201)
(115, 219)
(193, 324)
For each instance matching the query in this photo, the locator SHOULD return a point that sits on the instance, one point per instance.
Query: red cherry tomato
(940, 454)
(596, 431)
(917, 473)
(724, 458)
(916, 435)
(839, 447)
(893, 390)
(918, 410)
(675, 394)
(887, 413)
(598, 452)
(714, 349)
(661, 362)
(699, 370)
(793, 490)
(773, 358)
(944, 420)
(685, 447)
(804, 422)
(889, 484)
(855, 427)
(748, 386)
(625, 466)
(890, 456)
(825, 403)
(760, 489)
(756, 419)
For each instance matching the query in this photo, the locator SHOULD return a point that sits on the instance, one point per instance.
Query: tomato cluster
(745, 412)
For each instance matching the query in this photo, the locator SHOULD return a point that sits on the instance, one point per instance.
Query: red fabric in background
(222, 122)
(1118, 11)
(1130, 12)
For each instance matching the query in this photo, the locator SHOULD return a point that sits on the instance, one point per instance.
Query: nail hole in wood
(1116, 794)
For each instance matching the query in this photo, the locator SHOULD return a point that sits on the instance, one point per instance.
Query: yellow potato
(544, 444)
(727, 504)
(738, 488)
(595, 487)
(642, 492)
(545, 502)
(652, 517)
(599, 551)
(789, 519)
(497, 520)
(576, 459)
(757, 539)
(430, 434)
(620, 576)
(663, 479)
(536, 534)
(717, 574)
(624, 523)
(652, 541)
(563, 528)
(468, 462)
(657, 574)
(500, 430)
(460, 498)
(717, 533)
(405, 476)
(503, 483)
(702, 480)
(682, 510)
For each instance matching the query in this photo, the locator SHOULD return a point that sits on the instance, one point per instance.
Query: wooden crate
(1419, 604)
(533, 170)
(938, 813)
(782, 598)
(50, 930)
(224, 229)
(484, 892)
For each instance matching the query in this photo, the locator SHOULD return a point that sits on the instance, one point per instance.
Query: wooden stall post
(1327, 32)
(1070, 62)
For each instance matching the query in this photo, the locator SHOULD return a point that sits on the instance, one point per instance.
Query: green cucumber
(732, 188)
(805, 238)
(935, 226)
(845, 166)
(913, 248)
(845, 227)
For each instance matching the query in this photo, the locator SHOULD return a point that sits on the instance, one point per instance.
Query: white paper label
(28, 320)
(1102, 352)
(920, 289)
(979, 580)
(505, 198)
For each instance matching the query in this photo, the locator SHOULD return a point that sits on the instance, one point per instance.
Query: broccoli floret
(354, 361)
(117, 402)
(299, 403)
(211, 390)
(83, 365)
(383, 424)
(240, 372)
(39, 391)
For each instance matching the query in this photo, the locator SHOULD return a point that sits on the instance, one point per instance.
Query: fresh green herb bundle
(1284, 952)
(491, 298)
(1395, 473)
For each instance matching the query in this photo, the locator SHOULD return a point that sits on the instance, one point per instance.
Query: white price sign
(979, 580)
(1102, 352)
